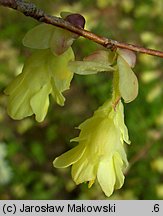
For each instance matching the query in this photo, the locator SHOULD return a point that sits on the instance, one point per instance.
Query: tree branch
(30, 9)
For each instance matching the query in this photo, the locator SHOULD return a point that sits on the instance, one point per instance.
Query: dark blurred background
(28, 148)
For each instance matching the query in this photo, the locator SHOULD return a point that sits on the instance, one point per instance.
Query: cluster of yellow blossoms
(101, 149)
(100, 152)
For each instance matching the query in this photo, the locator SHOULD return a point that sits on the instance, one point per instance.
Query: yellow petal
(57, 95)
(119, 121)
(40, 102)
(123, 155)
(118, 165)
(106, 176)
(69, 157)
(18, 105)
(27, 84)
(84, 170)
(58, 67)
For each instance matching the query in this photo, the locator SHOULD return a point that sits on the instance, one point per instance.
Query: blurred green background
(28, 148)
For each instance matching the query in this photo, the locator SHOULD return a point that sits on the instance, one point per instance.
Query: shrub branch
(30, 9)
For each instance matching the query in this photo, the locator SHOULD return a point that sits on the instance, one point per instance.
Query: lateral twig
(30, 9)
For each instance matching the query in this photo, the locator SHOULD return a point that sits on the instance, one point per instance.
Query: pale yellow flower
(100, 152)
(43, 74)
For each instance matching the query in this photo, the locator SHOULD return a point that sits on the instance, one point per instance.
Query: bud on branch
(30, 9)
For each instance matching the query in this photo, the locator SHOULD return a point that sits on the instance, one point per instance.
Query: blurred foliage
(31, 147)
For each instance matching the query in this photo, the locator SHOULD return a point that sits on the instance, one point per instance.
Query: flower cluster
(49, 70)
(100, 152)
(45, 72)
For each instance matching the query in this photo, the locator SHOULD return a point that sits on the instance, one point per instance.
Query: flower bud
(76, 20)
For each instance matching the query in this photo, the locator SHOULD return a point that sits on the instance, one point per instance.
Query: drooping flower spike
(43, 74)
(100, 153)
